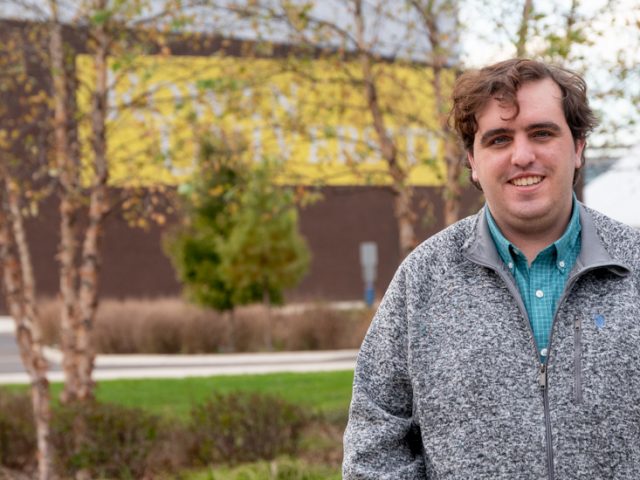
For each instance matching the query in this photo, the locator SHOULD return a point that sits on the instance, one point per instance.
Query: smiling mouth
(526, 181)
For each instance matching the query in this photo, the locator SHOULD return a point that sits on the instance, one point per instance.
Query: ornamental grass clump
(172, 326)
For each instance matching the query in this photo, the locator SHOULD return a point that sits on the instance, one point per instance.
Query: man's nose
(523, 153)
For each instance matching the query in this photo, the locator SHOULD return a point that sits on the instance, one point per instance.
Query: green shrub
(172, 452)
(17, 431)
(116, 440)
(245, 427)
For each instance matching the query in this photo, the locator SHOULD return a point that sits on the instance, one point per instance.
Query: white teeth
(524, 181)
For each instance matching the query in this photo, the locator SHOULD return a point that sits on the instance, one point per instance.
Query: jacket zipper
(542, 377)
(577, 362)
(577, 349)
(542, 382)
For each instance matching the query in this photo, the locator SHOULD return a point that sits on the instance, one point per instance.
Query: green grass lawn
(325, 392)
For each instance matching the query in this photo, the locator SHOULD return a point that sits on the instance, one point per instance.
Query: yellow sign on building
(316, 122)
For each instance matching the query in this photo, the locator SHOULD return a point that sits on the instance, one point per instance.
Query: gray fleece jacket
(448, 383)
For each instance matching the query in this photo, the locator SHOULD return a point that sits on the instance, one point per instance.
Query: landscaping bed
(275, 426)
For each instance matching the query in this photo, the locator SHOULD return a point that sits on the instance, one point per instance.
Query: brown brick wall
(134, 264)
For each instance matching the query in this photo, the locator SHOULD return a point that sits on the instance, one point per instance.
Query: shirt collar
(563, 246)
(571, 236)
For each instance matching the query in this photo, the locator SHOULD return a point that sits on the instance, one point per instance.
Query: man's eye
(542, 134)
(499, 140)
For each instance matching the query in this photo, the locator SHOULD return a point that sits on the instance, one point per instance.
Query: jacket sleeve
(381, 440)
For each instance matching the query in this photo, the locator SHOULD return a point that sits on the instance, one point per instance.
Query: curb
(117, 374)
(7, 325)
(217, 359)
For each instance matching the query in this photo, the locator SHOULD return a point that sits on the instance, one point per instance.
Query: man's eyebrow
(544, 126)
(486, 136)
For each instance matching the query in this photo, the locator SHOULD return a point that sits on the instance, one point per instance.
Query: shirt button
(539, 293)
(543, 352)
(510, 265)
(561, 263)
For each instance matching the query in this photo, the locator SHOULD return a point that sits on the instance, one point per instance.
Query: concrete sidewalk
(109, 367)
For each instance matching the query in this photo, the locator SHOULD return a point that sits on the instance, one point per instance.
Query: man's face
(525, 165)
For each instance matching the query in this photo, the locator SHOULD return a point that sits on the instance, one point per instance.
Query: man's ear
(472, 162)
(580, 144)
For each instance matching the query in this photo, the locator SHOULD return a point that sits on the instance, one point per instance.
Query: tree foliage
(209, 203)
(264, 254)
(239, 240)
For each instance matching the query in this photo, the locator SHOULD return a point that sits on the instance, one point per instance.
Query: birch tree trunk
(523, 31)
(453, 189)
(403, 193)
(428, 14)
(98, 207)
(68, 173)
(19, 287)
(453, 154)
(79, 261)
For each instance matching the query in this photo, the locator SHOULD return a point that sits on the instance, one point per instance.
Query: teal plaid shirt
(541, 284)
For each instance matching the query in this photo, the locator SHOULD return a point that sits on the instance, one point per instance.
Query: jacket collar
(592, 252)
(481, 249)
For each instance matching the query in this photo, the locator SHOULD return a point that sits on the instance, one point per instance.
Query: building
(616, 192)
(220, 85)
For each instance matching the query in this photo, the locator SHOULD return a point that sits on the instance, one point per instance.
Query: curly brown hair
(502, 80)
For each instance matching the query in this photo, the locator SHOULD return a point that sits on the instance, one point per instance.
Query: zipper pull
(542, 376)
(578, 324)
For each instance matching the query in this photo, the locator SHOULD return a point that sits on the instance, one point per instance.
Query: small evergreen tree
(265, 253)
(239, 242)
(209, 204)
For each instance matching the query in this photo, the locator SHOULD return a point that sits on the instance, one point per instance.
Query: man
(508, 345)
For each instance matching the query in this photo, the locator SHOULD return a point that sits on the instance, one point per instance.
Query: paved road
(9, 356)
(174, 366)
